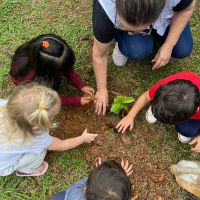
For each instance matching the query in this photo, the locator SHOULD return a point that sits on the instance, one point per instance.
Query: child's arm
(128, 121)
(76, 80)
(71, 143)
(74, 100)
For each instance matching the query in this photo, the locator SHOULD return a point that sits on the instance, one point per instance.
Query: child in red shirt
(46, 59)
(174, 100)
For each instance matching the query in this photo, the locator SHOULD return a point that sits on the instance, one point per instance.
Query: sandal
(38, 172)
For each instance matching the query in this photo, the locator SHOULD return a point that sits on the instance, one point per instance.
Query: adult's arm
(177, 25)
(103, 30)
(100, 62)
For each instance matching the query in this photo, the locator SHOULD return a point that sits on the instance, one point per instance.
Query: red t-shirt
(194, 78)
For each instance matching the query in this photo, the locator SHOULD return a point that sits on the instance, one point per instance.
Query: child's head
(108, 182)
(48, 54)
(176, 101)
(30, 107)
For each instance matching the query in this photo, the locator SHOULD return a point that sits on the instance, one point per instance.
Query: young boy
(174, 100)
(109, 181)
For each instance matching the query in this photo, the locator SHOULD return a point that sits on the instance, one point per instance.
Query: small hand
(88, 90)
(98, 162)
(126, 122)
(88, 137)
(85, 100)
(126, 167)
(101, 102)
(197, 141)
(163, 56)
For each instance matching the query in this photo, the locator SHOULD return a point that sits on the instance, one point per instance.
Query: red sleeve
(70, 100)
(194, 78)
(76, 80)
(29, 76)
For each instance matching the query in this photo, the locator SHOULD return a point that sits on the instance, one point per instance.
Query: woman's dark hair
(49, 62)
(176, 101)
(108, 182)
(139, 12)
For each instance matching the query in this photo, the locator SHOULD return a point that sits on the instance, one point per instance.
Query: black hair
(49, 63)
(139, 12)
(176, 101)
(108, 182)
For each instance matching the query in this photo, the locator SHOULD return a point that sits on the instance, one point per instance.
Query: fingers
(157, 64)
(98, 107)
(126, 165)
(131, 127)
(92, 91)
(85, 131)
(127, 168)
(155, 58)
(122, 163)
(104, 108)
(196, 148)
(121, 127)
(193, 141)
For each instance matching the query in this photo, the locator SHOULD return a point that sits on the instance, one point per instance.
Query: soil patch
(151, 178)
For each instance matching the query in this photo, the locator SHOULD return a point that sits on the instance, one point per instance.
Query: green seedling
(121, 104)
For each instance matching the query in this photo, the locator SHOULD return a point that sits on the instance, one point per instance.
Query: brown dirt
(151, 178)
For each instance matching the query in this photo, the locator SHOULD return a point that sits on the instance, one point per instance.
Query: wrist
(169, 45)
(102, 89)
(131, 115)
(82, 138)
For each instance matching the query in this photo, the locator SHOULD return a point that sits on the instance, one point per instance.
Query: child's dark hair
(49, 61)
(176, 101)
(108, 182)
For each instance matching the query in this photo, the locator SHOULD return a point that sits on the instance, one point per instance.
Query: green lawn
(21, 20)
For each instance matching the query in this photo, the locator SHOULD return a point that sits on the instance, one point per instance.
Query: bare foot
(38, 172)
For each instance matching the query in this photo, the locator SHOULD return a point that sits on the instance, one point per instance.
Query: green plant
(121, 103)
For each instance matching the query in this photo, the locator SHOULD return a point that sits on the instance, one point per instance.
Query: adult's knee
(136, 47)
(139, 52)
(183, 51)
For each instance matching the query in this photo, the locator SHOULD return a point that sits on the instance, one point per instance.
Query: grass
(22, 20)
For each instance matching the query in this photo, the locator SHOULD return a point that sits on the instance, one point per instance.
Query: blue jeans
(137, 47)
(189, 128)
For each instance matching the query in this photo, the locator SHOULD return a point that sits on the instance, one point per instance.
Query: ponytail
(41, 117)
(30, 106)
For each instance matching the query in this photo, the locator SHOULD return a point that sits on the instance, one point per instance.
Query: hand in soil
(196, 141)
(125, 123)
(88, 90)
(101, 102)
(126, 167)
(88, 137)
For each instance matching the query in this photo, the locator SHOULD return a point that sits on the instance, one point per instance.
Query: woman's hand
(163, 56)
(126, 122)
(87, 90)
(197, 141)
(101, 101)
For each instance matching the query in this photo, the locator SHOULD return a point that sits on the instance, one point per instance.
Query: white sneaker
(118, 58)
(184, 139)
(150, 117)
